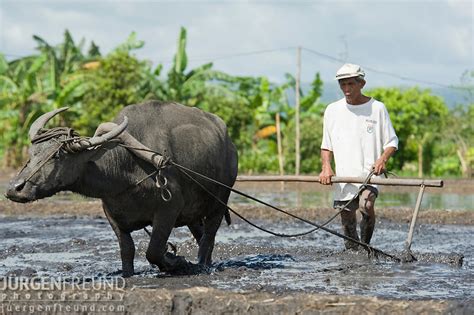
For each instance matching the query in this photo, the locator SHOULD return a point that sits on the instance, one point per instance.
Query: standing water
(315, 195)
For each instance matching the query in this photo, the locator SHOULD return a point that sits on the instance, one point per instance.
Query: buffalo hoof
(178, 265)
(127, 273)
(195, 269)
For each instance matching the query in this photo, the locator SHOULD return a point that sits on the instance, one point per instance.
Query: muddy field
(252, 272)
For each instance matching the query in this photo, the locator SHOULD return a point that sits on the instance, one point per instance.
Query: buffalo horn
(41, 121)
(100, 139)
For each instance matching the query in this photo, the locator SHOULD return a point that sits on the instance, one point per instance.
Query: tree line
(434, 140)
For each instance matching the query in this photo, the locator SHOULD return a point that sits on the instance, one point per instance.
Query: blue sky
(429, 41)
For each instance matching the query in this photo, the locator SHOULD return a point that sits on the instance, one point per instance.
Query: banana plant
(191, 87)
(66, 76)
(22, 96)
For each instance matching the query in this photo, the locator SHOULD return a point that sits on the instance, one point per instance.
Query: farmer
(357, 130)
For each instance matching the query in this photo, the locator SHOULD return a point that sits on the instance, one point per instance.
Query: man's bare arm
(327, 172)
(380, 164)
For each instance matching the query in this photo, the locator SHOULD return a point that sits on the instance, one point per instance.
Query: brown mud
(253, 272)
(205, 300)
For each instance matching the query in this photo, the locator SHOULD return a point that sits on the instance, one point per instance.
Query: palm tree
(35, 84)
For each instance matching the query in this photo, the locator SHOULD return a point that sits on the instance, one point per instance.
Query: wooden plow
(421, 183)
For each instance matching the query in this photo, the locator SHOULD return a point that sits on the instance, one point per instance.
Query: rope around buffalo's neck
(71, 138)
(63, 144)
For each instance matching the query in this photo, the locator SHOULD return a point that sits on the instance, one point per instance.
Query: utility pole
(345, 54)
(297, 112)
(280, 150)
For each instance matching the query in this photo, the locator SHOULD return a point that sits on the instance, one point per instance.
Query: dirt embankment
(94, 209)
(202, 300)
(205, 300)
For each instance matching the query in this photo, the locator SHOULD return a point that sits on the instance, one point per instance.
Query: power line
(394, 75)
(332, 58)
(328, 57)
(234, 55)
(214, 58)
(312, 51)
(242, 54)
(411, 79)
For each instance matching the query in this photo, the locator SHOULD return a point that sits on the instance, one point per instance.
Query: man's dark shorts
(354, 205)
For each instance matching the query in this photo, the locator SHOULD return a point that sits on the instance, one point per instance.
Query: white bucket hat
(349, 70)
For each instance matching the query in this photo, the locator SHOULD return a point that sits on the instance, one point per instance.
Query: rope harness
(73, 137)
(53, 134)
(162, 183)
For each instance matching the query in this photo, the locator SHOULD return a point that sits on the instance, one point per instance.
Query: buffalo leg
(211, 225)
(206, 245)
(197, 230)
(156, 254)
(127, 247)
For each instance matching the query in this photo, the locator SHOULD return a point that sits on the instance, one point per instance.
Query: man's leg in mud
(367, 208)
(349, 222)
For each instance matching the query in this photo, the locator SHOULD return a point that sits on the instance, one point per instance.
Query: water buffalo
(101, 167)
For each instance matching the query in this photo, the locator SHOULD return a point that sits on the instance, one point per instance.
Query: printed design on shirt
(370, 125)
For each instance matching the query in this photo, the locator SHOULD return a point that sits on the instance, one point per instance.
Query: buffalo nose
(19, 185)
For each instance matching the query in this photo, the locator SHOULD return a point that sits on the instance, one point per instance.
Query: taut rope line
(73, 137)
(186, 171)
(369, 248)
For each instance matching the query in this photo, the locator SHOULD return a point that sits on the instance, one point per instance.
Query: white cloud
(418, 39)
(462, 7)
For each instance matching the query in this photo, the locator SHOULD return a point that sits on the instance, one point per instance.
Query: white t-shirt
(357, 135)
